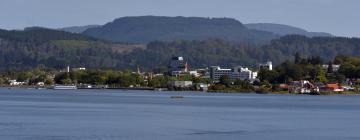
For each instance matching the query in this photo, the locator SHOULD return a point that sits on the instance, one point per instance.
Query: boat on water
(177, 97)
(64, 87)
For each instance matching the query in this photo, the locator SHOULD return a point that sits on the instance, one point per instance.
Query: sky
(339, 17)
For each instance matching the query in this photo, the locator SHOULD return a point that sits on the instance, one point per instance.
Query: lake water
(149, 115)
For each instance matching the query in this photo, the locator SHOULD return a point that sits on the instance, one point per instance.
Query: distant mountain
(283, 30)
(145, 29)
(77, 29)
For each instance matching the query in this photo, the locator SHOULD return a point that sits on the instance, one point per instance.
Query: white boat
(63, 87)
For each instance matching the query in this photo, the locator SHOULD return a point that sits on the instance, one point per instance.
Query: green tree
(321, 76)
(49, 81)
(66, 81)
(2, 81)
(225, 80)
(268, 75)
(24, 76)
(218, 87)
(244, 85)
(340, 78)
(158, 82)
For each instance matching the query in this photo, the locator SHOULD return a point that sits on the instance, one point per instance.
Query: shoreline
(186, 91)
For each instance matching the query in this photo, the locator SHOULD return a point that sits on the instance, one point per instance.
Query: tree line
(24, 50)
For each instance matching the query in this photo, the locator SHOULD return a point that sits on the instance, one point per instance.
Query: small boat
(177, 97)
(63, 87)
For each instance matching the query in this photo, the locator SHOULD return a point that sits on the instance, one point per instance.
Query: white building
(254, 75)
(335, 68)
(216, 72)
(181, 84)
(194, 73)
(15, 83)
(236, 73)
(202, 86)
(40, 84)
(268, 66)
(241, 73)
(78, 69)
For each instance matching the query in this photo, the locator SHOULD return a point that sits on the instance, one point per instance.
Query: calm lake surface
(148, 115)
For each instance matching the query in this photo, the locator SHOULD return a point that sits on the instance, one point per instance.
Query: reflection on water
(139, 115)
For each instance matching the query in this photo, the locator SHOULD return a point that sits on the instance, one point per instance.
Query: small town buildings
(177, 66)
(303, 87)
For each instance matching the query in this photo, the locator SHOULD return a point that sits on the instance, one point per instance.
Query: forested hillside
(56, 49)
(326, 47)
(41, 35)
(284, 30)
(219, 52)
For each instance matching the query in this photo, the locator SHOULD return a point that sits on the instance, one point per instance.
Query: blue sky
(339, 17)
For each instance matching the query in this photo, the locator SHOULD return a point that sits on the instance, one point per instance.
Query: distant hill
(145, 29)
(20, 50)
(283, 30)
(77, 29)
(40, 35)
